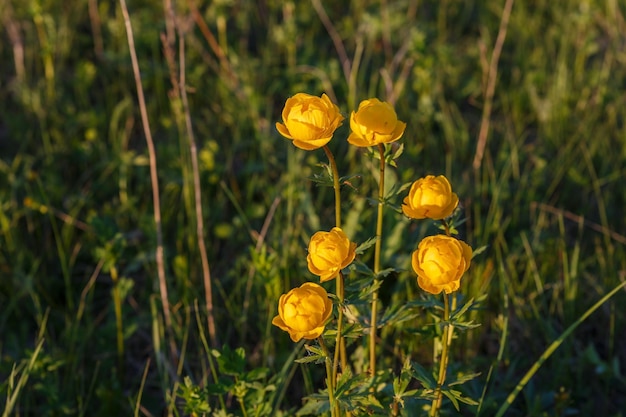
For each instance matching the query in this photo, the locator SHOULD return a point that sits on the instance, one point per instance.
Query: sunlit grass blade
(554, 346)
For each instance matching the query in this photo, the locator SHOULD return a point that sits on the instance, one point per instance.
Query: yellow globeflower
(329, 253)
(309, 121)
(439, 262)
(430, 197)
(373, 123)
(303, 312)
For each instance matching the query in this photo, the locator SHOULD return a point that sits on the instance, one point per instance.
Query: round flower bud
(329, 253)
(303, 311)
(373, 123)
(439, 262)
(430, 197)
(309, 121)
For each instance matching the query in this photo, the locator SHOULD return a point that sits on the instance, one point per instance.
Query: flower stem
(446, 340)
(335, 171)
(340, 345)
(117, 305)
(330, 381)
(377, 250)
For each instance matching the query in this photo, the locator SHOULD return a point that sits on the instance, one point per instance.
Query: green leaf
(315, 405)
(310, 358)
(452, 398)
(478, 251)
(463, 378)
(230, 362)
(398, 188)
(456, 396)
(256, 374)
(470, 304)
(325, 178)
(314, 354)
(398, 314)
(366, 245)
(422, 375)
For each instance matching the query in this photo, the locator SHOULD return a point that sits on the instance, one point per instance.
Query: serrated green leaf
(314, 350)
(468, 325)
(471, 304)
(230, 362)
(385, 272)
(398, 188)
(422, 375)
(311, 358)
(361, 269)
(452, 398)
(456, 396)
(401, 382)
(314, 406)
(463, 378)
(398, 314)
(353, 330)
(365, 245)
(365, 293)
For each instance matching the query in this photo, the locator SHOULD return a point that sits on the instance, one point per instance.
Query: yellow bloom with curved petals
(439, 262)
(373, 123)
(304, 311)
(309, 121)
(329, 253)
(430, 197)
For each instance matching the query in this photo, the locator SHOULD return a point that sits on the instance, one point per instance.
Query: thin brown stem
(334, 36)
(197, 191)
(491, 85)
(156, 199)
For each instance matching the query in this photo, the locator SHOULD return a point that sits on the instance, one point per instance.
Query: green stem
(117, 306)
(330, 381)
(340, 345)
(446, 340)
(335, 171)
(377, 250)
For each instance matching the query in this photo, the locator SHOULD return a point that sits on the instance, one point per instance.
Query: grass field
(524, 112)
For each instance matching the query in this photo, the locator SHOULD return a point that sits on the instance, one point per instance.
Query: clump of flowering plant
(439, 262)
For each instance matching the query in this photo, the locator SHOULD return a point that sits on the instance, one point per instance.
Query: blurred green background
(547, 198)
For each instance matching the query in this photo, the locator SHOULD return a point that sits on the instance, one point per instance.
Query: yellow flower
(329, 253)
(439, 262)
(303, 312)
(430, 197)
(309, 121)
(374, 122)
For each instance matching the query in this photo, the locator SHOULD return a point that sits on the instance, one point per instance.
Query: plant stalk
(117, 307)
(340, 344)
(330, 381)
(206, 271)
(446, 340)
(377, 250)
(154, 181)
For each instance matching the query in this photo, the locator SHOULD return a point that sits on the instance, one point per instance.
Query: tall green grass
(75, 192)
